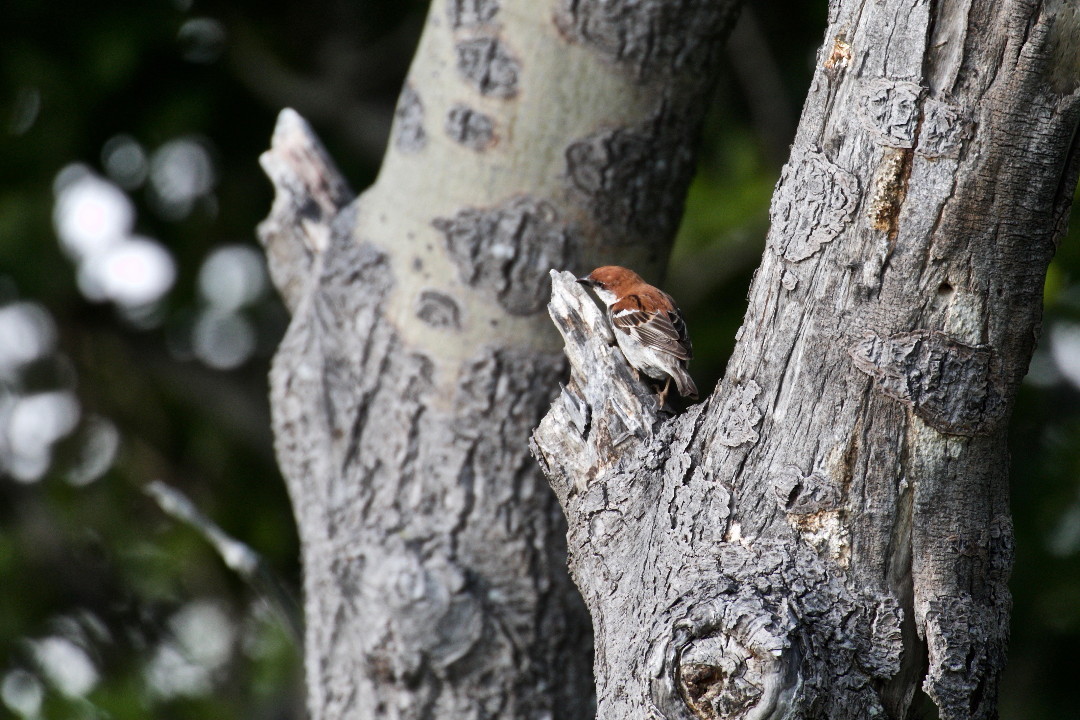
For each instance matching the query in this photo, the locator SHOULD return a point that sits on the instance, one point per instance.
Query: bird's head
(611, 282)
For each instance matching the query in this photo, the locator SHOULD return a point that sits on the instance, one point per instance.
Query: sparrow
(649, 328)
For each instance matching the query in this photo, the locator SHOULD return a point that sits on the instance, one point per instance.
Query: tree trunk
(829, 531)
(539, 135)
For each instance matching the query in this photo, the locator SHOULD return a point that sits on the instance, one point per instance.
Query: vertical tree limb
(829, 532)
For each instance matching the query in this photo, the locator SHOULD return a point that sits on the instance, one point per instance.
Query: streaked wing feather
(659, 330)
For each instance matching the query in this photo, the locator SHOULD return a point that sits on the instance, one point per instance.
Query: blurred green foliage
(165, 627)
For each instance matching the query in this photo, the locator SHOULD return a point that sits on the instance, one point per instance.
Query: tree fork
(829, 531)
(528, 136)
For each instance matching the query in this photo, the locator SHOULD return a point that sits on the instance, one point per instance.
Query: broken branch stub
(604, 408)
(309, 192)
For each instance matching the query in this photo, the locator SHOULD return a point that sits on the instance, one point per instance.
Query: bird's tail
(685, 383)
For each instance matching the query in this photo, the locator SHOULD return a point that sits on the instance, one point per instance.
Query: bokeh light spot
(66, 665)
(1065, 349)
(22, 693)
(181, 172)
(232, 277)
(90, 214)
(37, 421)
(203, 641)
(137, 271)
(27, 333)
(125, 161)
(222, 340)
(100, 442)
(25, 110)
(202, 40)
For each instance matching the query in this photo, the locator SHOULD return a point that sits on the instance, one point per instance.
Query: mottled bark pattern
(489, 65)
(419, 358)
(651, 37)
(400, 495)
(409, 133)
(606, 172)
(508, 250)
(631, 180)
(829, 532)
(471, 13)
(469, 127)
(438, 310)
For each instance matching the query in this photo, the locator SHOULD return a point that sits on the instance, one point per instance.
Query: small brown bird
(649, 328)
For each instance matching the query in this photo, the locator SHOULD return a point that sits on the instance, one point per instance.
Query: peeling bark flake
(890, 110)
(739, 416)
(813, 202)
(948, 384)
(804, 494)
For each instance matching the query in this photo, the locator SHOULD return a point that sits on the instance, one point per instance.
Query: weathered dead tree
(829, 531)
(529, 136)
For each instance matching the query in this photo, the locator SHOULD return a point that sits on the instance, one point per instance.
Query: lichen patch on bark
(889, 187)
(839, 56)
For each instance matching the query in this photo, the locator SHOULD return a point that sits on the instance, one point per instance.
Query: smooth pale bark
(829, 531)
(530, 135)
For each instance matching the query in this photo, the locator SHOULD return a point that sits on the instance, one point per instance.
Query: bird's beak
(585, 281)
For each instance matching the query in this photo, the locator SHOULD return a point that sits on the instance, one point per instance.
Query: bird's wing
(663, 330)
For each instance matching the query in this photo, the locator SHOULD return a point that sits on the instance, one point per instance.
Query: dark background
(111, 608)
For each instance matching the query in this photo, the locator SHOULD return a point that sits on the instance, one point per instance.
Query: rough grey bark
(829, 531)
(419, 357)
